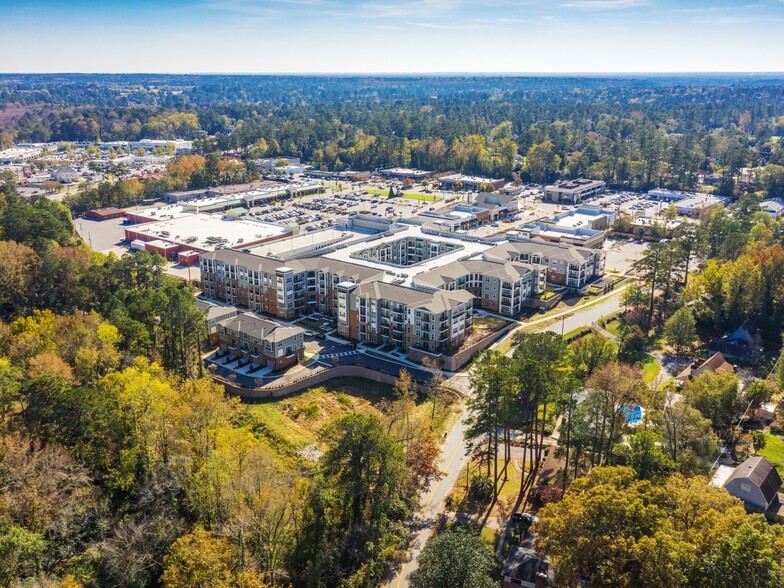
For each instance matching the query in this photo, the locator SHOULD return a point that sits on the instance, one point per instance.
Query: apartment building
(381, 313)
(572, 191)
(574, 267)
(499, 286)
(282, 289)
(261, 341)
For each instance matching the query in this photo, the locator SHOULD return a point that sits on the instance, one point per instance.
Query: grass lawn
(650, 369)
(774, 451)
(613, 327)
(490, 323)
(425, 197)
(577, 330)
(292, 423)
(311, 324)
(409, 195)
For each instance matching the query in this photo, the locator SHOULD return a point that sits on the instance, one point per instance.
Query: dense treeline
(630, 132)
(121, 465)
(188, 172)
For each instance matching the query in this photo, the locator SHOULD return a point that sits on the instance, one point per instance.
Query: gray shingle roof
(436, 302)
(260, 328)
(441, 276)
(761, 473)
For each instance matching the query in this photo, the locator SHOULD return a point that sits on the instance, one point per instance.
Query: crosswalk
(339, 354)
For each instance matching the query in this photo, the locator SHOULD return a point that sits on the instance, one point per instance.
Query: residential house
(715, 363)
(743, 345)
(525, 568)
(773, 206)
(756, 482)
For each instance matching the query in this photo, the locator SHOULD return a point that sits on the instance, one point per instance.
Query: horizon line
(411, 73)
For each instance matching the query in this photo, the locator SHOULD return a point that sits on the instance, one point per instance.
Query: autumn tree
(454, 557)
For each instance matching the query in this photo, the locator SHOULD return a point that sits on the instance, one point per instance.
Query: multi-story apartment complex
(378, 312)
(566, 265)
(407, 288)
(282, 289)
(499, 286)
(262, 342)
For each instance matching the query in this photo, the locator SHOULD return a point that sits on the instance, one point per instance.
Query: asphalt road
(585, 316)
(453, 459)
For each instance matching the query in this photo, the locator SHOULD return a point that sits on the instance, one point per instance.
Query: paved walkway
(453, 458)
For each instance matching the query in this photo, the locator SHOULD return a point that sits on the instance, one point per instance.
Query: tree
(539, 371)
(490, 379)
(589, 353)
(10, 386)
(631, 343)
(687, 436)
(455, 557)
(773, 180)
(351, 514)
(715, 396)
(542, 162)
(198, 560)
(615, 385)
(758, 440)
(681, 330)
(612, 529)
(645, 455)
(758, 392)
(634, 297)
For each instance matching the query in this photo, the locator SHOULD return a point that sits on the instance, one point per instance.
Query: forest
(631, 132)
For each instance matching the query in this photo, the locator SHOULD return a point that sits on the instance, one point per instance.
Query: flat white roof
(206, 231)
(305, 241)
(210, 200)
(720, 476)
(577, 220)
(395, 272)
(169, 212)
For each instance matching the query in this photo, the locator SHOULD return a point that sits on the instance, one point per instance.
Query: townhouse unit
(499, 286)
(262, 342)
(282, 289)
(381, 313)
(574, 267)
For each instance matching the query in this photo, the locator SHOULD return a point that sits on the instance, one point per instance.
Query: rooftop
(559, 251)
(208, 231)
(759, 472)
(435, 302)
(575, 185)
(463, 249)
(260, 328)
(445, 274)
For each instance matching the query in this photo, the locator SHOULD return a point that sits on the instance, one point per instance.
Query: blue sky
(391, 36)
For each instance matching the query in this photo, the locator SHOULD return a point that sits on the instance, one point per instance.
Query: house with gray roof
(756, 482)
